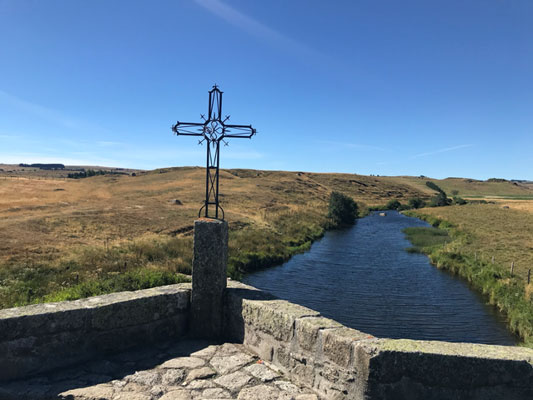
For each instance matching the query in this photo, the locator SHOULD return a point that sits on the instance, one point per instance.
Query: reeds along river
(363, 277)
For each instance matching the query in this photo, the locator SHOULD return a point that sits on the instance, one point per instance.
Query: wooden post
(512, 268)
(528, 275)
(493, 259)
(475, 255)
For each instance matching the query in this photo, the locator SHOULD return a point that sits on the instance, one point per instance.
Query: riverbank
(155, 259)
(362, 277)
(62, 239)
(471, 230)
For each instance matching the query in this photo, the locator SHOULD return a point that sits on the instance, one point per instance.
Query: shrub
(434, 186)
(342, 210)
(440, 200)
(459, 200)
(393, 205)
(416, 203)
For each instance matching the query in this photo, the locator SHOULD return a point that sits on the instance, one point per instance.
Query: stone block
(307, 331)
(409, 369)
(275, 317)
(234, 297)
(209, 277)
(337, 344)
(99, 311)
(48, 336)
(262, 344)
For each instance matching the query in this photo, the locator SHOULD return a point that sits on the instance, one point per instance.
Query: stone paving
(182, 371)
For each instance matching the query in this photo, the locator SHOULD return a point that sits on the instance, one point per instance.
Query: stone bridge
(224, 340)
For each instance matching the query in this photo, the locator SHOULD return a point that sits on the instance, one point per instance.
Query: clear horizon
(441, 89)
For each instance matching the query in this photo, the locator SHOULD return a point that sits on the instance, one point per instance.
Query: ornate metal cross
(213, 130)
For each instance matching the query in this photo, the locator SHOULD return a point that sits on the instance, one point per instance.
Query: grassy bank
(426, 239)
(154, 259)
(509, 292)
(79, 237)
(73, 238)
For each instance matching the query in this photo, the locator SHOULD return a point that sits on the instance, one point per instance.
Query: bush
(416, 203)
(440, 200)
(434, 186)
(459, 200)
(393, 205)
(342, 210)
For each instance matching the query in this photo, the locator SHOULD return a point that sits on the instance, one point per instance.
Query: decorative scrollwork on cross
(213, 130)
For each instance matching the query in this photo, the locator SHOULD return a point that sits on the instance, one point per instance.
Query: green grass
(131, 280)
(490, 231)
(93, 270)
(251, 249)
(425, 238)
(510, 293)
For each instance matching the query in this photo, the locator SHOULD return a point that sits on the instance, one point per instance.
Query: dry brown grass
(45, 218)
(471, 188)
(520, 205)
(58, 229)
(506, 234)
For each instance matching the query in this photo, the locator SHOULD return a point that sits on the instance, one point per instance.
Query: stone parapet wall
(42, 337)
(315, 352)
(343, 363)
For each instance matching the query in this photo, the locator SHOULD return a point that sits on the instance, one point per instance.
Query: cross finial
(213, 130)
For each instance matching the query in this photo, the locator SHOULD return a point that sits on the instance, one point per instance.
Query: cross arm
(188, 128)
(239, 131)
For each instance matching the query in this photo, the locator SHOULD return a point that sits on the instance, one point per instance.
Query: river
(362, 277)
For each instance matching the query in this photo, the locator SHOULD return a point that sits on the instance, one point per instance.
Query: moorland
(64, 238)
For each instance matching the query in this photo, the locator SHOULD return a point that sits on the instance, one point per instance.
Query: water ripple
(364, 278)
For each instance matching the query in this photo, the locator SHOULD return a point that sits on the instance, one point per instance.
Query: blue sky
(439, 88)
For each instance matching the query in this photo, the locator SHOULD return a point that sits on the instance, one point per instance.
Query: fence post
(528, 275)
(512, 268)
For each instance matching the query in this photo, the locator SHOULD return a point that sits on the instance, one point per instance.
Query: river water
(363, 277)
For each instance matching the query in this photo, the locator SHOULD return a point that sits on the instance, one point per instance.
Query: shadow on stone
(100, 371)
(233, 317)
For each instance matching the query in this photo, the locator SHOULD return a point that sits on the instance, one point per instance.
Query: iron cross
(213, 130)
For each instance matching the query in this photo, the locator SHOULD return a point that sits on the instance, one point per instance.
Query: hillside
(43, 215)
(77, 237)
(472, 188)
(32, 171)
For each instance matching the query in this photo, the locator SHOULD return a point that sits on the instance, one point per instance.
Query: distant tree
(91, 172)
(434, 186)
(496, 180)
(342, 210)
(393, 205)
(416, 202)
(454, 192)
(440, 200)
(459, 200)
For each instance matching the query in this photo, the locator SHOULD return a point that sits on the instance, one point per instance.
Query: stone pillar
(208, 277)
